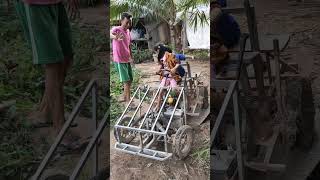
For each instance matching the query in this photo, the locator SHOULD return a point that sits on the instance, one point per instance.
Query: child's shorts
(168, 82)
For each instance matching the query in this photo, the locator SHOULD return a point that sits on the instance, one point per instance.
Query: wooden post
(252, 25)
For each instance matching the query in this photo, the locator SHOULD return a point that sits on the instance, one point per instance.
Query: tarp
(199, 39)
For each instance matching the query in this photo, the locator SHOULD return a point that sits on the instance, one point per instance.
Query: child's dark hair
(126, 15)
(214, 4)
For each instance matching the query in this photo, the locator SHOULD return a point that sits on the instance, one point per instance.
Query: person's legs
(126, 77)
(54, 94)
(127, 87)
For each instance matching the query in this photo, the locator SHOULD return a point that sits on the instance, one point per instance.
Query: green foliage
(164, 10)
(202, 156)
(139, 54)
(22, 81)
(17, 156)
(116, 91)
(199, 54)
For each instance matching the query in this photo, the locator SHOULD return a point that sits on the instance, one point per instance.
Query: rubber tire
(185, 129)
(203, 92)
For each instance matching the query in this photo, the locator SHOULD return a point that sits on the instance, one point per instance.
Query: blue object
(180, 57)
(228, 29)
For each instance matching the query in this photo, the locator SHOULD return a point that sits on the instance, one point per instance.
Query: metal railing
(152, 127)
(232, 95)
(96, 133)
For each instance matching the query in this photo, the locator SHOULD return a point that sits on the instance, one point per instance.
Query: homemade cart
(263, 108)
(161, 134)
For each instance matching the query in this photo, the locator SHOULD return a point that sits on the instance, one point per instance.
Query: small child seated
(169, 75)
(226, 33)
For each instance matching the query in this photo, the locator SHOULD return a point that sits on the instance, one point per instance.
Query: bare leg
(127, 86)
(44, 106)
(159, 100)
(54, 94)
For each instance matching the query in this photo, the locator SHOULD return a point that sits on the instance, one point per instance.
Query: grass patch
(22, 81)
(199, 54)
(116, 90)
(202, 156)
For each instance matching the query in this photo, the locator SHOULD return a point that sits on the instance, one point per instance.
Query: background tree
(162, 10)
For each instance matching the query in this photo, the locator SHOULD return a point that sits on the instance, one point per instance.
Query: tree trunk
(172, 35)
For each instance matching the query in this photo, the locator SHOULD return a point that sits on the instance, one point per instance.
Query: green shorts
(125, 71)
(47, 31)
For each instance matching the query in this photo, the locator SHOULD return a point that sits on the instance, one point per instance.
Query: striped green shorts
(47, 31)
(125, 72)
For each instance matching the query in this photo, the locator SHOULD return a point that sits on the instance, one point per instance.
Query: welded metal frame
(232, 94)
(96, 131)
(156, 130)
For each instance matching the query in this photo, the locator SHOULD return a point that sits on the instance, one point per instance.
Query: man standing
(122, 56)
(47, 29)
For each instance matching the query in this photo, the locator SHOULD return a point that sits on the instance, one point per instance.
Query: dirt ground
(126, 166)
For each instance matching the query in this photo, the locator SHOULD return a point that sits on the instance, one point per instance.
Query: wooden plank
(222, 111)
(221, 83)
(266, 166)
(238, 134)
(266, 43)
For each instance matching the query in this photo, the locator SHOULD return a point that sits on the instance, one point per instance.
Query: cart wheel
(203, 92)
(183, 141)
(125, 135)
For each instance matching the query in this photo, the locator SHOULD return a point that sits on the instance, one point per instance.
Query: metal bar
(184, 108)
(222, 111)
(164, 102)
(165, 143)
(90, 146)
(140, 101)
(238, 135)
(154, 98)
(125, 110)
(95, 153)
(221, 83)
(269, 67)
(165, 154)
(174, 110)
(62, 132)
(139, 130)
(277, 74)
(189, 69)
(139, 106)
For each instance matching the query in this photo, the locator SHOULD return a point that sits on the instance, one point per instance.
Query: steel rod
(90, 146)
(222, 111)
(125, 110)
(174, 110)
(139, 130)
(95, 153)
(62, 132)
(164, 102)
(136, 111)
(154, 98)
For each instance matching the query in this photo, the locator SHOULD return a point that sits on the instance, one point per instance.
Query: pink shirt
(42, 2)
(121, 48)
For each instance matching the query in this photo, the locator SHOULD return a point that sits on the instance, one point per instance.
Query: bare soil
(126, 166)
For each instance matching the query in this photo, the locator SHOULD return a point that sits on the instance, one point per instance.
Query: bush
(139, 54)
